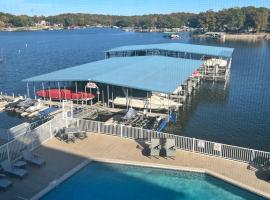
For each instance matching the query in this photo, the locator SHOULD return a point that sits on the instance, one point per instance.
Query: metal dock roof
(150, 73)
(180, 47)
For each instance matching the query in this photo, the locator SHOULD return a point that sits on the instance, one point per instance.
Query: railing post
(252, 156)
(51, 134)
(8, 156)
(193, 144)
(121, 130)
(98, 127)
(221, 148)
(33, 139)
(77, 121)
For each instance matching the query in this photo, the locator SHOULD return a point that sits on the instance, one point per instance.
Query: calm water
(238, 115)
(107, 181)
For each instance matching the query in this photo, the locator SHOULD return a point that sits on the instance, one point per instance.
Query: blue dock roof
(149, 73)
(180, 47)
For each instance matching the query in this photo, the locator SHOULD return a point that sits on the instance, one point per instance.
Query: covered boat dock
(153, 74)
(152, 78)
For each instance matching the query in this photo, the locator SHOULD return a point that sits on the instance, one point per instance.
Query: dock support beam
(108, 96)
(34, 86)
(127, 98)
(50, 91)
(76, 88)
(59, 93)
(28, 94)
(112, 98)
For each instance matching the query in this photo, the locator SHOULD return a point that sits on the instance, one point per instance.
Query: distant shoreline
(224, 36)
(238, 36)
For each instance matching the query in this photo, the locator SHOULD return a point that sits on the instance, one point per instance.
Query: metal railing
(31, 139)
(184, 143)
(9, 134)
(34, 138)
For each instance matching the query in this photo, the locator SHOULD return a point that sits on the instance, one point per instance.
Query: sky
(121, 7)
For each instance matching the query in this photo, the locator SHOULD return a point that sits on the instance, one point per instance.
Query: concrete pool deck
(62, 157)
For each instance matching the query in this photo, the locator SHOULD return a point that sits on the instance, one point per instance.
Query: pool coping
(53, 184)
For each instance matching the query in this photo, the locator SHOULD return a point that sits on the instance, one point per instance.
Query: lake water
(238, 115)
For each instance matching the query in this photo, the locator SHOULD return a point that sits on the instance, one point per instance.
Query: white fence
(29, 140)
(9, 134)
(33, 138)
(185, 143)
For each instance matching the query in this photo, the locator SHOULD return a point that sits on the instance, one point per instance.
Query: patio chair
(10, 169)
(4, 183)
(35, 159)
(155, 147)
(170, 147)
(80, 134)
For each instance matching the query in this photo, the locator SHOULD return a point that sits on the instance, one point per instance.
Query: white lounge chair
(170, 147)
(4, 183)
(155, 147)
(10, 169)
(28, 156)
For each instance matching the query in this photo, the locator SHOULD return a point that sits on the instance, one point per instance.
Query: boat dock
(155, 78)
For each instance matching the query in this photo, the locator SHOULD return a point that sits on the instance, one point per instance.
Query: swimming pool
(114, 181)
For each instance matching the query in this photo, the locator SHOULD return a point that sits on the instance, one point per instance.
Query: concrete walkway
(62, 157)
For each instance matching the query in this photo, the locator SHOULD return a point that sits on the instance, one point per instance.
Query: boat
(174, 36)
(157, 102)
(69, 94)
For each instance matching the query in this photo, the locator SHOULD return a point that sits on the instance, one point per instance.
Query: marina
(155, 82)
(178, 70)
(133, 98)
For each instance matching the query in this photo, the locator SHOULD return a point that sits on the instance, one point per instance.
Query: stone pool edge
(53, 184)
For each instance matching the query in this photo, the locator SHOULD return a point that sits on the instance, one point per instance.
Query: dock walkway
(122, 150)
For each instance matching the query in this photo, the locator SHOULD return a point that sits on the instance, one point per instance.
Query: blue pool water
(113, 181)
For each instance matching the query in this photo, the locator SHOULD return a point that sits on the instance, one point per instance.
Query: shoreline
(240, 36)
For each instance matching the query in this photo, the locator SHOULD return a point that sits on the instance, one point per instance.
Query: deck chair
(29, 157)
(10, 169)
(170, 147)
(155, 147)
(4, 183)
(80, 134)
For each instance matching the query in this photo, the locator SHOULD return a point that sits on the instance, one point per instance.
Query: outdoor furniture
(65, 134)
(20, 164)
(76, 132)
(170, 147)
(10, 169)
(33, 158)
(155, 147)
(4, 183)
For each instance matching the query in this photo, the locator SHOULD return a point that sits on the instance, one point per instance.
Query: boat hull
(56, 94)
